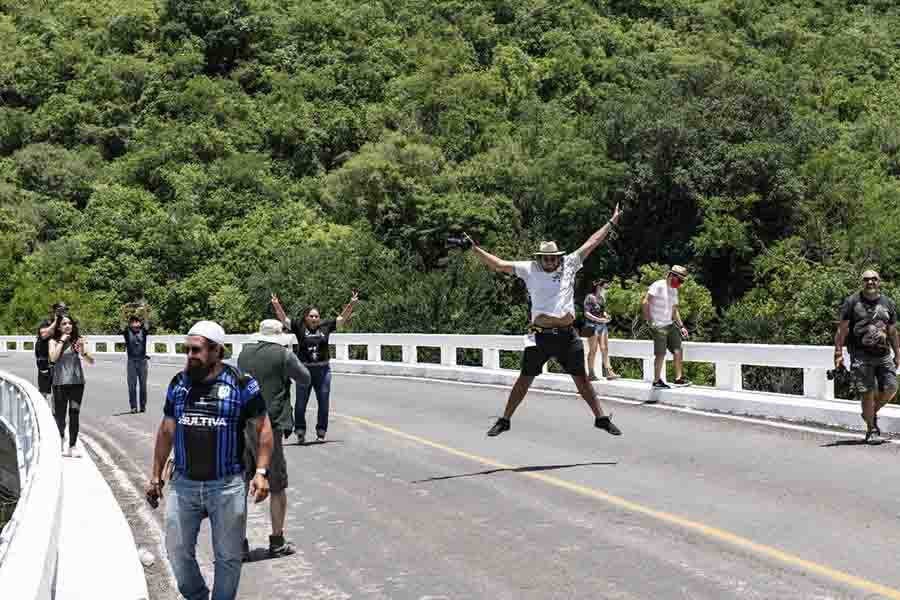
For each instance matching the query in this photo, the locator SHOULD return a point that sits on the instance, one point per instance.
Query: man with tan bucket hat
(550, 279)
(269, 360)
(660, 310)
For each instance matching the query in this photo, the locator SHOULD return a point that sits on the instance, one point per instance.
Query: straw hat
(549, 249)
(679, 271)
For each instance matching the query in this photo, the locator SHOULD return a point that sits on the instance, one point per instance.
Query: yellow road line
(695, 526)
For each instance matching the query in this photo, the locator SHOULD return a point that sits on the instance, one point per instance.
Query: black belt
(550, 330)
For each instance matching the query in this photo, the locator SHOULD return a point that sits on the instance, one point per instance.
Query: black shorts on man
(564, 345)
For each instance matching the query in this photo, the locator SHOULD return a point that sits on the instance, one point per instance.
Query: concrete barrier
(75, 549)
(838, 413)
(816, 405)
(28, 543)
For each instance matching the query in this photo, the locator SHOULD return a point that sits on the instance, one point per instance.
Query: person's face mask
(675, 283)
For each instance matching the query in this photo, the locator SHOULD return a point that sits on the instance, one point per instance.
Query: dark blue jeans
(320, 376)
(137, 382)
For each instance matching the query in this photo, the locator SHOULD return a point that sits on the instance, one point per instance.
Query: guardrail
(29, 541)
(728, 359)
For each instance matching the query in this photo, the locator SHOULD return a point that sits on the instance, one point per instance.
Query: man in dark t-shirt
(208, 405)
(135, 336)
(869, 326)
(42, 348)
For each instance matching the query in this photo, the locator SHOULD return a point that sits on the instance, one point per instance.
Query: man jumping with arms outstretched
(551, 285)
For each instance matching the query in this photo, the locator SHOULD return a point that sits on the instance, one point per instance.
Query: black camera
(832, 373)
(61, 310)
(459, 242)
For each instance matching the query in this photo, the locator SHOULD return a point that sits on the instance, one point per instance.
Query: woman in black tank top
(67, 348)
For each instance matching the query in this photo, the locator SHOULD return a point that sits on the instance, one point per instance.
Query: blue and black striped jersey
(210, 419)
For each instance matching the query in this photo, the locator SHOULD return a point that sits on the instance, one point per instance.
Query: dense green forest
(202, 154)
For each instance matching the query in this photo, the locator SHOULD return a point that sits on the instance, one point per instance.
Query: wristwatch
(263, 472)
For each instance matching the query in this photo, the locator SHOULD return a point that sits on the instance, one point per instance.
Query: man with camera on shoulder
(46, 330)
(869, 325)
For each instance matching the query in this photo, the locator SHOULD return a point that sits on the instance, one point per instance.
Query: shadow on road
(856, 442)
(531, 469)
(259, 555)
(316, 443)
(123, 413)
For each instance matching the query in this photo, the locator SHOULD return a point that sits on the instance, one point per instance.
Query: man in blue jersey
(207, 408)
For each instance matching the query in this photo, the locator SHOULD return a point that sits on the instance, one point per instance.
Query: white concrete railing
(728, 359)
(29, 541)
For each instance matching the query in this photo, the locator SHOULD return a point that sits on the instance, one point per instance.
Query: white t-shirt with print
(662, 298)
(553, 293)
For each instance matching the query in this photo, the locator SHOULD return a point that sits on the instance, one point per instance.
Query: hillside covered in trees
(202, 154)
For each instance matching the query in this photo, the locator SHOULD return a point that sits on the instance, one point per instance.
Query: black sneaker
(682, 382)
(659, 384)
(245, 551)
(605, 423)
(873, 437)
(592, 377)
(499, 427)
(301, 437)
(320, 435)
(279, 547)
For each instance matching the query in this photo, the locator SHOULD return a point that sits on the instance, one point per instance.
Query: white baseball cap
(210, 330)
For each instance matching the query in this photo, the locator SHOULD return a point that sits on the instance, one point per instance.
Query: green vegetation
(202, 154)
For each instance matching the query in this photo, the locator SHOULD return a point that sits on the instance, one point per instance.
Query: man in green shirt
(269, 360)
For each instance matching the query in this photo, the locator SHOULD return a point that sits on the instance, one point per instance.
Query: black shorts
(566, 347)
(45, 381)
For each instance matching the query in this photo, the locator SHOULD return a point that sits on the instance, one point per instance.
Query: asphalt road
(409, 499)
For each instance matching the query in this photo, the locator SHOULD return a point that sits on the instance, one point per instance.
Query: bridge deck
(409, 499)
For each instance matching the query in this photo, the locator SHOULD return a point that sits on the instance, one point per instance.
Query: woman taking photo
(66, 349)
(598, 320)
(312, 349)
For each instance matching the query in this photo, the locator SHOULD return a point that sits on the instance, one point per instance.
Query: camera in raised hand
(459, 242)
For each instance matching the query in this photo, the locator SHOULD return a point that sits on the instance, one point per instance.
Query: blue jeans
(137, 376)
(320, 379)
(187, 504)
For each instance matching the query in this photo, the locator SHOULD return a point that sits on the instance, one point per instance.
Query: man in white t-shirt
(660, 310)
(550, 279)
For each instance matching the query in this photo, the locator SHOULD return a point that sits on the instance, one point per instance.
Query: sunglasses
(870, 279)
(193, 349)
